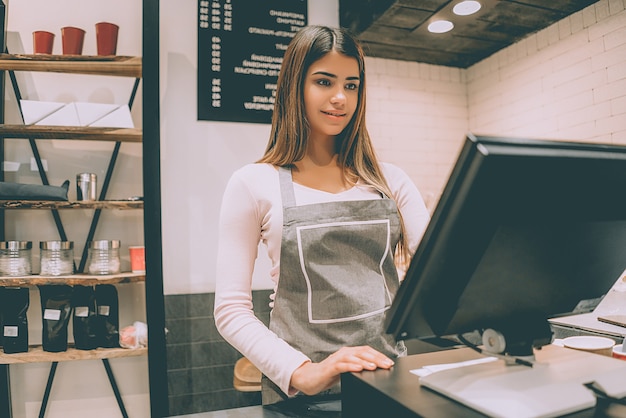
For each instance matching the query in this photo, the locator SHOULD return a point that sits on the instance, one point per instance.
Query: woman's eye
(323, 82)
(352, 86)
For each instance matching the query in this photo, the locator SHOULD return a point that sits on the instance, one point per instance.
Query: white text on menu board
(219, 17)
(211, 14)
(269, 66)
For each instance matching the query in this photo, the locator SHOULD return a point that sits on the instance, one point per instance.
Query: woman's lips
(335, 114)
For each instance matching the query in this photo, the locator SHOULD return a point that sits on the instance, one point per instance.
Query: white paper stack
(76, 114)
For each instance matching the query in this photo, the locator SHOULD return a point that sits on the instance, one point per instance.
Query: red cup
(106, 38)
(73, 39)
(618, 352)
(42, 42)
(137, 259)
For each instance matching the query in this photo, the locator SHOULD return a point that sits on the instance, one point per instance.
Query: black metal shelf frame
(44, 177)
(63, 236)
(155, 309)
(5, 382)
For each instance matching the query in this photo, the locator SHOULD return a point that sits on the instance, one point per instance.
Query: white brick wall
(565, 82)
(570, 84)
(417, 117)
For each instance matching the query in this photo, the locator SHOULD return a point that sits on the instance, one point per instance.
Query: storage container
(15, 258)
(57, 258)
(86, 186)
(103, 257)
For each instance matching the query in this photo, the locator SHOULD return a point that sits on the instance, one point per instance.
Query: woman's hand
(312, 378)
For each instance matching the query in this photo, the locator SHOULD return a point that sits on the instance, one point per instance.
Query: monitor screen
(525, 230)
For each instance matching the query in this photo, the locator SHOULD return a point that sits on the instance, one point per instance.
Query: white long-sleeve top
(251, 213)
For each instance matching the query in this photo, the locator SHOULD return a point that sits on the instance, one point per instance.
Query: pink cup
(73, 39)
(137, 259)
(106, 38)
(43, 42)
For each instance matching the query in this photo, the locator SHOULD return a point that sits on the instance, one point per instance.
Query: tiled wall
(417, 117)
(567, 81)
(199, 362)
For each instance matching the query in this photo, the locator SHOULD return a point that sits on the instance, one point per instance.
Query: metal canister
(86, 189)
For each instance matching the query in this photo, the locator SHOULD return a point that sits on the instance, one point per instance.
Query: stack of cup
(43, 42)
(72, 40)
(106, 38)
(137, 258)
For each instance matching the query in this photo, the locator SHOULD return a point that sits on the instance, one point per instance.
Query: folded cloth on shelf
(134, 336)
(20, 191)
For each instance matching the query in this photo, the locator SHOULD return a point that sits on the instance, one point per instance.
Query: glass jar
(103, 257)
(57, 258)
(15, 258)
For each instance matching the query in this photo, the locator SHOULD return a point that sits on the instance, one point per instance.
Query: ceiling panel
(397, 29)
(403, 17)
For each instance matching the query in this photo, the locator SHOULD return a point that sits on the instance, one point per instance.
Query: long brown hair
(290, 128)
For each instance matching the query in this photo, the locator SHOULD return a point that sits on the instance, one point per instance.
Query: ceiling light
(465, 8)
(440, 26)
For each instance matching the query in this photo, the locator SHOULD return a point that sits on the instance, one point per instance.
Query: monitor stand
(518, 336)
(554, 386)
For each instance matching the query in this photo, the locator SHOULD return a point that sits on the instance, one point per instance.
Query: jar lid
(86, 177)
(56, 245)
(104, 244)
(16, 245)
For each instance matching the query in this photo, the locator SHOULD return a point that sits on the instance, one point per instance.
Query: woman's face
(331, 94)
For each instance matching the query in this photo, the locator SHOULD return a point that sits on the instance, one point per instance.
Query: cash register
(525, 231)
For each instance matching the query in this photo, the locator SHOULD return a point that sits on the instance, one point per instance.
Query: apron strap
(286, 187)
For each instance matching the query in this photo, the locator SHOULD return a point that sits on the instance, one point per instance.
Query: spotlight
(467, 7)
(440, 26)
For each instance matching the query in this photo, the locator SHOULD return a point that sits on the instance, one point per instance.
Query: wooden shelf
(36, 354)
(55, 204)
(122, 66)
(81, 133)
(72, 279)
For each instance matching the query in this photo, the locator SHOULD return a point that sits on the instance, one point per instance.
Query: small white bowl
(592, 344)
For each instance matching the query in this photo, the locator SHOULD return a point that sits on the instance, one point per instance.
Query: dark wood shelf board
(53, 204)
(71, 132)
(36, 354)
(71, 280)
(123, 66)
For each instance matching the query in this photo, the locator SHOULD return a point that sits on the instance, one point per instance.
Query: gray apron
(337, 276)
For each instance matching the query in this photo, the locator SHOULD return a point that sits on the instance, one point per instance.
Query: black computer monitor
(525, 230)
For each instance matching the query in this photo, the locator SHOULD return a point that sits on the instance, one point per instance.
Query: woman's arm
(410, 204)
(242, 218)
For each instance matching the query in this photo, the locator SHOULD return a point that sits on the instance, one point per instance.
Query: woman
(327, 211)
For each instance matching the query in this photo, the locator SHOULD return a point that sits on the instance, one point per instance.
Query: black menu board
(241, 44)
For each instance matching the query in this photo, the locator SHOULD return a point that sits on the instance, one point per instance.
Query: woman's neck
(322, 150)
(320, 169)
